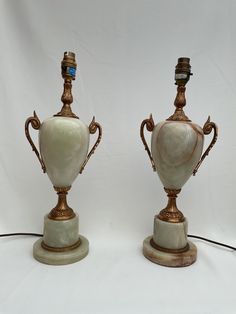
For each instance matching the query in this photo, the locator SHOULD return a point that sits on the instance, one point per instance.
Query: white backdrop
(126, 53)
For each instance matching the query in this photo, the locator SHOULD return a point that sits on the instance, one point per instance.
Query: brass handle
(207, 128)
(92, 130)
(149, 123)
(35, 123)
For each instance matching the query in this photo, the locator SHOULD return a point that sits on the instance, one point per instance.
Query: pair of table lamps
(176, 154)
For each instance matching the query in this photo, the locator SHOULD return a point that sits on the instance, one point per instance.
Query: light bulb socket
(182, 71)
(68, 66)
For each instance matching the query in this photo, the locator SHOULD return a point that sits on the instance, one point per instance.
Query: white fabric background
(126, 53)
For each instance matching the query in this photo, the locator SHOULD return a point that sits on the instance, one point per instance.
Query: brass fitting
(68, 66)
(182, 71)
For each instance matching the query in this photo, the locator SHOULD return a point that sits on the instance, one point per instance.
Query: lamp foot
(61, 258)
(170, 259)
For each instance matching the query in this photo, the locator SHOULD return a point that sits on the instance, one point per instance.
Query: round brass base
(170, 259)
(61, 258)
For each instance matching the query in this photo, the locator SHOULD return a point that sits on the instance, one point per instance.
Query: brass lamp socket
(68, 66)
(182, 71)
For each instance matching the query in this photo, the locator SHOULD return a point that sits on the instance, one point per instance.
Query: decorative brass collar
(171, 213)
(62, 211)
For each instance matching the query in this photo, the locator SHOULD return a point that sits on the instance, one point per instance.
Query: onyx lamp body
(63, 154)
(175, 154)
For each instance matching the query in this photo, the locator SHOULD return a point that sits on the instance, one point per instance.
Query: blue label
(72, 71)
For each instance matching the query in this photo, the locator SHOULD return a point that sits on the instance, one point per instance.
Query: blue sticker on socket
(72, 71)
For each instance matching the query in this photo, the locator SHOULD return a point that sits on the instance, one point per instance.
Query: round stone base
(61, 258)
(170, 259)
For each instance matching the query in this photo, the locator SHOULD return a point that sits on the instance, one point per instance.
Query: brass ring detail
(60, 249)
(174, 251)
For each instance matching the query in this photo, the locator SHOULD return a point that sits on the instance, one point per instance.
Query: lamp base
(180, 259)
(61, 258)
(61, 243)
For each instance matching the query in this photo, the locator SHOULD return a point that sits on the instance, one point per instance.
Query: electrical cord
(211, 241)
(20, 234)
(189, 235)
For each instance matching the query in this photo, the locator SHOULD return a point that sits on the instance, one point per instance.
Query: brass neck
(62, 211)
(171, 213)
(180, 102)
(67, 100)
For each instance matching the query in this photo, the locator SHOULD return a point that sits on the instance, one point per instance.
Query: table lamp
(176, 154)
(63, 154)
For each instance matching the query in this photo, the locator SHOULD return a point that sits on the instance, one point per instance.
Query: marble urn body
(64, 144)
(175, 154)
(176, 148)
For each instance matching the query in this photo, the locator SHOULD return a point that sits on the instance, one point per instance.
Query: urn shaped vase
(175, 154)
(63, 154)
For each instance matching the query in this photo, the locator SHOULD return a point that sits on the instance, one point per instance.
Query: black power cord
(189, 235)
(211, 241)
(20, 234)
